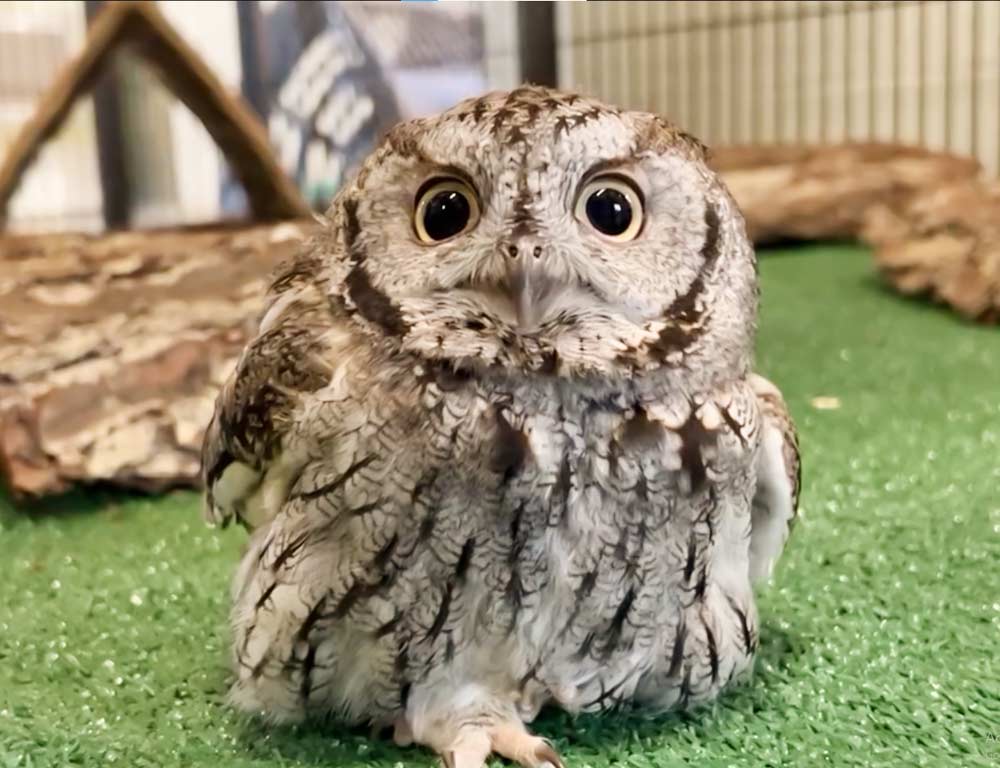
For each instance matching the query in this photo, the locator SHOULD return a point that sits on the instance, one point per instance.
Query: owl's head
(542, 232)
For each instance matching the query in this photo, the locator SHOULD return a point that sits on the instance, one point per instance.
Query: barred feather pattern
(605, 560)
(457, 519)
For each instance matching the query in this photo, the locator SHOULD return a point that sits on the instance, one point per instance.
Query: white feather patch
(772, 506)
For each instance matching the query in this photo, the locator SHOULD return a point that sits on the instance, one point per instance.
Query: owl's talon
(512, 741)
(547, 756)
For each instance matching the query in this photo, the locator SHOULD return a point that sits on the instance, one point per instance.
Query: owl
(498, 440)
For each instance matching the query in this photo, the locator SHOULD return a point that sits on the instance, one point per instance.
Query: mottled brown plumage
(520, 463)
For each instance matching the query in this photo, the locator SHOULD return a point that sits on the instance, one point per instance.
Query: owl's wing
(776, 500)
(247, 464)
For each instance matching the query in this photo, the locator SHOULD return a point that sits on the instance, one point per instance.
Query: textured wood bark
(945, 245)
(112, 349)
(933, 224)
(827, 192)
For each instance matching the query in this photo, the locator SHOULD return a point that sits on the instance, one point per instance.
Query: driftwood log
(943, 244)
(828, 192)
(112, 349)
(932, 222)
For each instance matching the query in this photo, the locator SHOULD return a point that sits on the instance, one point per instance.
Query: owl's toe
(470, 750)
(402, 734)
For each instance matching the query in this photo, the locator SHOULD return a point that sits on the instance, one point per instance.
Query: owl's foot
(474, 745)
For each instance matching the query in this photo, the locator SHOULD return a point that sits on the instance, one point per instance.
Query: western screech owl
(498, 439)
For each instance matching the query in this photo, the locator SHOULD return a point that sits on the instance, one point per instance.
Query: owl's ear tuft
(696, 144)
(403, 139)
(660, 135)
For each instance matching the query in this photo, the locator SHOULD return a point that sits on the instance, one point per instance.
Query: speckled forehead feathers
(533, 116)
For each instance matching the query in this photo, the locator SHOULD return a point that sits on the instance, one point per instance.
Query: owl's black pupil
(609, 211)
(446, 214)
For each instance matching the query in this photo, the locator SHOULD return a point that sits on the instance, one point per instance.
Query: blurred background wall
(62, 189)
(814, 71)
(923, 72)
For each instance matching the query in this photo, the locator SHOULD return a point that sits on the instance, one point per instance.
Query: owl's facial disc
(516, 282)
(542, 231)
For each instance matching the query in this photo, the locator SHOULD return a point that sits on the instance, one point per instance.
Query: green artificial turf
(879, 636)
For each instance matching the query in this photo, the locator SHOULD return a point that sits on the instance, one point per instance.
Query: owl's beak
(519, 291)
(529, 287)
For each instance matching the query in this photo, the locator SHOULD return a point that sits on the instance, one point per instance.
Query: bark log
(944, 245)
(932, 222)
(827, 192)
(112, 349)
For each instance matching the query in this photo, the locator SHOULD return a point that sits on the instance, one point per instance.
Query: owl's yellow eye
(612, 206)
(445, 209)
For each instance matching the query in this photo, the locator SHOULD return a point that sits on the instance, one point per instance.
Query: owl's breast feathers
(596, 541)
(305, 346)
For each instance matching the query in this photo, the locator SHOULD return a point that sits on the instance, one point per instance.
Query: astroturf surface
(879, 634)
